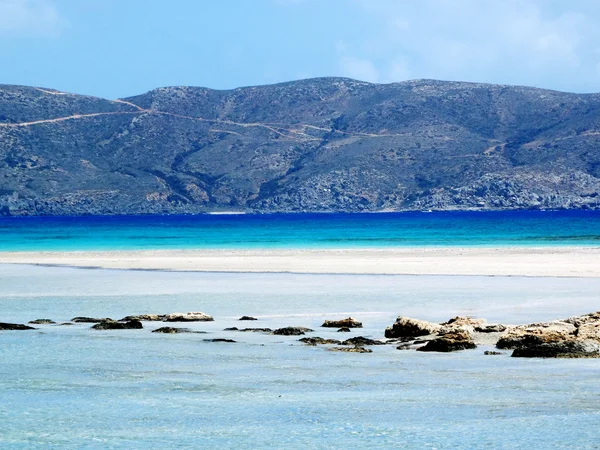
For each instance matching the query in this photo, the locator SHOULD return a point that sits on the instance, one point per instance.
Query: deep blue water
(411, 229)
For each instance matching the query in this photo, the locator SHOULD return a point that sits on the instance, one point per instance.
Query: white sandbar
(506, 261)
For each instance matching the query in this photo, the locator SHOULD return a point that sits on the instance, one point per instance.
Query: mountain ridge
(321, 144)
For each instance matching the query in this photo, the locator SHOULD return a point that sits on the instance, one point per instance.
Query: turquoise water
(64, 387)
(514, 228)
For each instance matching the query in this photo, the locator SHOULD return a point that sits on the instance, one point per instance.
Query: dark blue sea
(410, 229)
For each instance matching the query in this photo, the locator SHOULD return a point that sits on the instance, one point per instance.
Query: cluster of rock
(575, 337)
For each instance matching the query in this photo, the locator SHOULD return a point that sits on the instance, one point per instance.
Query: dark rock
(172, 330)
(292, 331)
(496, 328)
(89, 319)
(114, 325)
(361, 340)
(42, 322)
(344, 330)
(14, 326)
(219, 340)
(346, 323)
(250, 330)
(247, 318)
(491, 352)
(407, 327)
(568, 348)
(351, 349)
(319, 341)
(450, 342)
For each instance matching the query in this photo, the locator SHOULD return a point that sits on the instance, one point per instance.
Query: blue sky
(117, 48)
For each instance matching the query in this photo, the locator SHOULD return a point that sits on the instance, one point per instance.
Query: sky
(120, 48)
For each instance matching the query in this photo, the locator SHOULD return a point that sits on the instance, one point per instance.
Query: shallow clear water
(72, 387)
(520, 228)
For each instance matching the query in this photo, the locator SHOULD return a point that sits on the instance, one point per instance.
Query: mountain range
(318, 145)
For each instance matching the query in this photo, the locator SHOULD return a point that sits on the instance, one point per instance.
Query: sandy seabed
(505, 261)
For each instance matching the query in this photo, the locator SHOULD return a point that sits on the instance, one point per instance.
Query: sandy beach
(534, 262)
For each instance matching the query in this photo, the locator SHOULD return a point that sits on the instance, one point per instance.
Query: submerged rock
(144, 317)
(42, 322)
(89, 319)
(405, 327)
(247, 318)
(361, 340)
(344, 330)
(188, 317)
(14, 326)
(114, 325)
(357, 349)
(346, 323)
(319, 341)
(292, 331)
(219, 340)
(449, 342)
(492, 352)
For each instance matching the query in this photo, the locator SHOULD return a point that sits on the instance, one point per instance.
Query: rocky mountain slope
(326, 144)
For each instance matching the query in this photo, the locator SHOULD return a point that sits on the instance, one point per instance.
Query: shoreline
(502, 261)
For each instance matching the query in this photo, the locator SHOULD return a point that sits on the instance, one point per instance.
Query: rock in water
(361, 341)
(114, 325)
(462, 323)
(89, 319)
(292, 331)
(247, 318)
(219, 340)
(405, 327)
(14, 326)
(172, 330)
(344, 330)
(568, 348)
(188, 317)
(495, 328)
(345, 323)
(144, 317)
(589, 330)
(536, 333)
(357, 349)
(449, 342)
(42, 322)
(319, 341)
